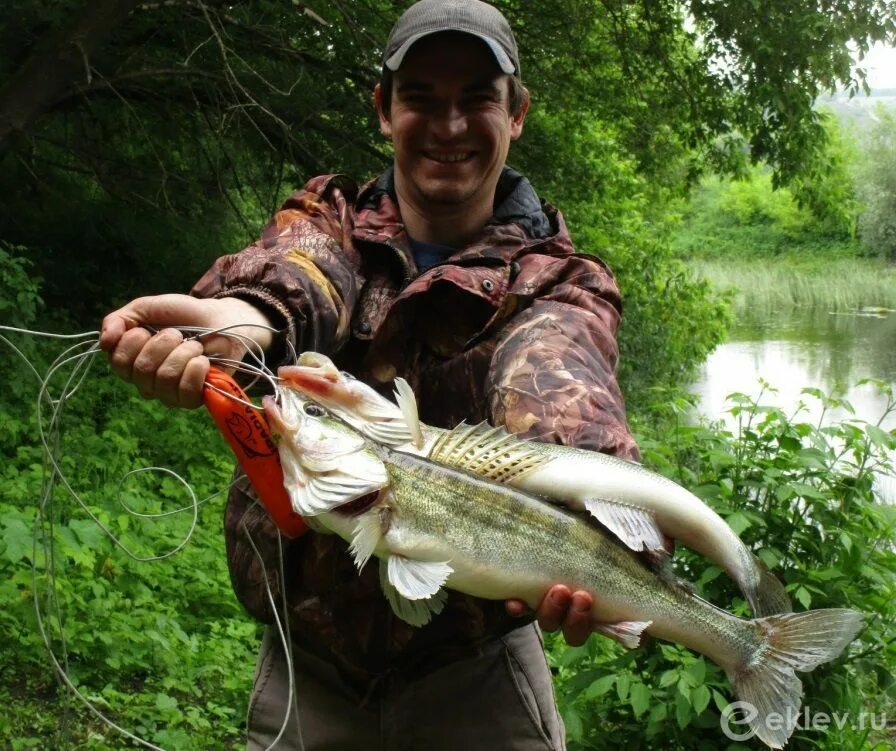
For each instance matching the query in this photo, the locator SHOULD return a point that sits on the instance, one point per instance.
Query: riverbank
(861, 285)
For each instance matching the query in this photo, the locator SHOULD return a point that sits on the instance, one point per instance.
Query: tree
(877, 187)
(140, 139)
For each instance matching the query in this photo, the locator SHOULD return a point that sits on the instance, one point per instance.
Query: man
(447, 270)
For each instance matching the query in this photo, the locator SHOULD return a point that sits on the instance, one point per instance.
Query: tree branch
(57, 64)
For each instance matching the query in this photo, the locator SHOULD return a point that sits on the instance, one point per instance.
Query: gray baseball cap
(469, 16)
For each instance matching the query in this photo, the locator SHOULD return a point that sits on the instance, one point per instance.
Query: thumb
(158, 311)
(167, 310)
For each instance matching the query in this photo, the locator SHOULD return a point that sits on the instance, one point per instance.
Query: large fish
(640, 507)
(434, 526)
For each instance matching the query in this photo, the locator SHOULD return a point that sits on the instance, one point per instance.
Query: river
(806, 348)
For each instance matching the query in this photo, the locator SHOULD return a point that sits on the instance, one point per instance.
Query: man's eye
(314, 410)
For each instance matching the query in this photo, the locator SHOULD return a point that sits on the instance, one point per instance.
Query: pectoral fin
(369, 530)
(417, 580)
(635, 526)
(415, 612)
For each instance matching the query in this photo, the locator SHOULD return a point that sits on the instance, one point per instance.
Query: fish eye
(348, 376)
(314, 410)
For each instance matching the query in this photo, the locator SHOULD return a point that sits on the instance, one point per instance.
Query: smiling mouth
(449, 157)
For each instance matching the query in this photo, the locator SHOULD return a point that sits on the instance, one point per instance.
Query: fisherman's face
(450, 122)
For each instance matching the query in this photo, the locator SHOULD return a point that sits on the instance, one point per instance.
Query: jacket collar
(516, 203)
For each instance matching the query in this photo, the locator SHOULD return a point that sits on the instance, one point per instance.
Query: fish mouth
(315, 375)
(359, 505)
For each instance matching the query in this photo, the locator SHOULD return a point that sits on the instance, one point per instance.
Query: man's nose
(448, 122)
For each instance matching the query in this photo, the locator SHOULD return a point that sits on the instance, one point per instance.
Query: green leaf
(700, 698)
(720, 700)
(668, 678)
(640, 698)
(845, 541)
(682, 710)
(658, 713)
(573, 722)
(738, 522)
(18, 540)
(697, 671)
(768, 557)
(166, 703)
(601, 686)
(881, 438)
(803, 596)
(623, 682)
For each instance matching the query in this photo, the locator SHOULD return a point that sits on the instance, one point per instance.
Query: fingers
(179, 379)
(136, 313)
(552, 610)
(238, 316)
(579, 621)
(517, 608)
(562, 608)
(162, 366)
(165, 367)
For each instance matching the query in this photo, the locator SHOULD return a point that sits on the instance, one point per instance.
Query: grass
(837, 284)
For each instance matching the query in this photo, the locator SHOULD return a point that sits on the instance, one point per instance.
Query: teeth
(449, 158)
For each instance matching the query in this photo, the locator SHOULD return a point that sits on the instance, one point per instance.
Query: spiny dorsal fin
(404, 397)
(490, 452)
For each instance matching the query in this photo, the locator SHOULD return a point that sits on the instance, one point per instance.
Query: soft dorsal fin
(490, 452)
(404, 397)
(635, 526)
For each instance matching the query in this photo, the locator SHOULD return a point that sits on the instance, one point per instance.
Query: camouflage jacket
(516, 329)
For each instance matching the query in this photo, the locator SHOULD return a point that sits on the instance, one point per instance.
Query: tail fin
(769, 597)
(795, 641)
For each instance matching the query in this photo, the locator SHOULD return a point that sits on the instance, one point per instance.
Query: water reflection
(798, 349)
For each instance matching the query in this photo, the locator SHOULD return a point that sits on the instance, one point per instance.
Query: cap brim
(394, 62)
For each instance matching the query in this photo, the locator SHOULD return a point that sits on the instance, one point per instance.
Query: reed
(846, 284)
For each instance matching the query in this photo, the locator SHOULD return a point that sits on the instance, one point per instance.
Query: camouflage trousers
(500, 697)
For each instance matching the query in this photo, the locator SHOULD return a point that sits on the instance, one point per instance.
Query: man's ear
(517, 120)
(385, 123)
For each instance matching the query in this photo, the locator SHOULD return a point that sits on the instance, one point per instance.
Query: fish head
(325, 461)
(351, 400)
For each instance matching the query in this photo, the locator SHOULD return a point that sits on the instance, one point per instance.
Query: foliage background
(139, 140)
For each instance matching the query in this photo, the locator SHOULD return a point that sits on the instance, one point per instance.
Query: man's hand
(165, 367)
(564, 609)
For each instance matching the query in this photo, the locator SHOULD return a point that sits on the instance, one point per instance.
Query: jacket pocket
(528, 669)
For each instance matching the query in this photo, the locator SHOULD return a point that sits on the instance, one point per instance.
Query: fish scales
(447, 512)
(644, 509)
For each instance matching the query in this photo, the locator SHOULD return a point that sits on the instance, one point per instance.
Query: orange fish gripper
(249, 436)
